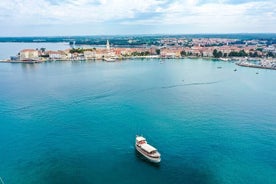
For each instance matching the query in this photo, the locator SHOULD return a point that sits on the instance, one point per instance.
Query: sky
(120, 17)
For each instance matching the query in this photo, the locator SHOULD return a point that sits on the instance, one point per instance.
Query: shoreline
(242, 62)
(116, 59)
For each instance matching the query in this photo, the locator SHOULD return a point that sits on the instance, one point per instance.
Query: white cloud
(38, 11)
(210, 16)
(217, 17)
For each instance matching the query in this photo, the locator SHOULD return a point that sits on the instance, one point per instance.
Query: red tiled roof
(28, 50)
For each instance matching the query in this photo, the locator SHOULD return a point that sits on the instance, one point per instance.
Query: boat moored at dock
(110, 59)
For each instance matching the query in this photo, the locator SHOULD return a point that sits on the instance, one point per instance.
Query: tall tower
(107, 45)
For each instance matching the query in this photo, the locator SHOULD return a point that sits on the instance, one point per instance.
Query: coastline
(242, 62)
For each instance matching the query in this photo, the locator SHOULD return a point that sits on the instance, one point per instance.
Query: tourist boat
(148, 151)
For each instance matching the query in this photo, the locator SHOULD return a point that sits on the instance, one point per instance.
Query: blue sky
(110, 17)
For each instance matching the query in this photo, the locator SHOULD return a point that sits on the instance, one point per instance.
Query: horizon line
(140, 34)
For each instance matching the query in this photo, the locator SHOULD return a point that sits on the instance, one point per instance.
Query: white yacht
(148, 151)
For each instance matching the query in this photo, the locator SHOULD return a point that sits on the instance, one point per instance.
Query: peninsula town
(260, 53)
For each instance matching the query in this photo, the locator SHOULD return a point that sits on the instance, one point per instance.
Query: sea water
(76, 122)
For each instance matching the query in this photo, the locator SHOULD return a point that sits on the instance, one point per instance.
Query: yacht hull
(151, 159)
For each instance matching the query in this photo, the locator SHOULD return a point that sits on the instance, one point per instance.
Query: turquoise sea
(75, 122)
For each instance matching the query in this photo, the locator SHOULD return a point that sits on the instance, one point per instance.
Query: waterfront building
(194, 51)
(170, 53)
(28, 54)
(54, 54)
(207, 52)
(88, 55)
(126, 51)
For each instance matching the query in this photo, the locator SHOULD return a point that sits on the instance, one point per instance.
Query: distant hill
(136, 39)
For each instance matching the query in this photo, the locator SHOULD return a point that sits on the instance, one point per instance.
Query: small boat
(223, 59)
(148, 151)
(235, 70)
(110, 59)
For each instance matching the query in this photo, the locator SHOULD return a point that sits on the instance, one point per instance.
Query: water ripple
(190, 84)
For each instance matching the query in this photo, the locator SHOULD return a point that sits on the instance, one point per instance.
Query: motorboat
(148, 151)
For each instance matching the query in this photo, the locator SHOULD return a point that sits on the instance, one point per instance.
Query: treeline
(146, 53)
(184, 53)
(241, 53)
(120, 41)
(219, 54)
(80, 50)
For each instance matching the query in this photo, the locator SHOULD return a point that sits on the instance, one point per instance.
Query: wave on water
(14, 109)
(190, 84)
(77, 101)
(108, 93)
(90, 98)
(174, 86)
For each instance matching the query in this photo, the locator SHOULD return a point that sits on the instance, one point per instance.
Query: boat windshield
(142, 142)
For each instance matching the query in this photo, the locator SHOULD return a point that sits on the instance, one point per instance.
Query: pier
(264, 64)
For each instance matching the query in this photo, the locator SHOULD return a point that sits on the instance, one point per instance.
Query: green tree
(183, 53)
(255, 54)
(242, 53)
(147, 53)
(270, 54)
(43, 49)
(157, 51)
(78, 50)
(259, 49)
(217, 54)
